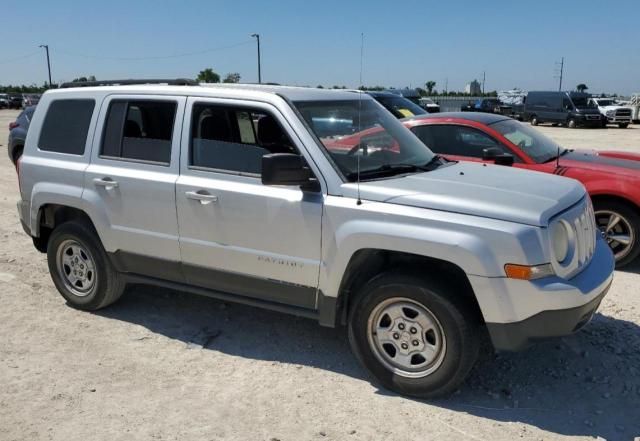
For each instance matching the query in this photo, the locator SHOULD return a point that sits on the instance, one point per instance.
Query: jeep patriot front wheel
(408, 333)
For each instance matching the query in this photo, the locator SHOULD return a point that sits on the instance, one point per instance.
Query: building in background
(473, 88)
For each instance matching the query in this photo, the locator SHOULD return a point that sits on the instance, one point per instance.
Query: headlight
(611, 112)
(560, 238)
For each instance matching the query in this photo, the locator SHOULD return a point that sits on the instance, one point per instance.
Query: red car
(611, 178)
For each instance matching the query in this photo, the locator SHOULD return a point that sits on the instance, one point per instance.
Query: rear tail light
(13, 125)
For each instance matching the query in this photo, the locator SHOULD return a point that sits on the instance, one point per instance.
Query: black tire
(631, 217)
(603, 123)
(534, 120)
(623, 125)
(459, 327)
(572, 123)
(107, 285)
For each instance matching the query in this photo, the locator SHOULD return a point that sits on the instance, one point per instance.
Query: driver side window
(456, 140)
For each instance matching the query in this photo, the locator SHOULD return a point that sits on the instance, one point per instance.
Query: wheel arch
(51, 215)
(366, 264)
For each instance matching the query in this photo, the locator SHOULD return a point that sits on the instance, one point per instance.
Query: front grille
(581, 221)
(592, 117)
(623, 112)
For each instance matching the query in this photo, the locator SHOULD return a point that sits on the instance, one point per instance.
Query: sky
(406, 43)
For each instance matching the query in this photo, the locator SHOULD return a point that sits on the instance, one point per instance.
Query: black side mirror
(505, 159)
(491, 153)
(496, 155)
(287, 169)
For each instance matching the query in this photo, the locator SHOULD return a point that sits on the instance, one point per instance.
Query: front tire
(409, 334)
(80, 268)
(572, 124)
(623, 125)
(620, 225)
(534, 120)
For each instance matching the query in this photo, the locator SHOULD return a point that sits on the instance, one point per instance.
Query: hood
(620, 163)
(588, 110)
(612, 107)
(490, 191)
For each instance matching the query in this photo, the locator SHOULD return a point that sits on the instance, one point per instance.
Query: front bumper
(519, 312)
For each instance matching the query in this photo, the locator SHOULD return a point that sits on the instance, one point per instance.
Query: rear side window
(66, 126)
(139, 130)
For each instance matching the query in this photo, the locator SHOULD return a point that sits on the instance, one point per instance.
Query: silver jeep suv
(314, 202)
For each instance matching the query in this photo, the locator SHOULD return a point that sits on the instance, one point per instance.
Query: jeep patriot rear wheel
(411, 336)
(80, 268)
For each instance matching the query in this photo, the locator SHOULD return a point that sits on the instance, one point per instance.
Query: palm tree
(430, 85)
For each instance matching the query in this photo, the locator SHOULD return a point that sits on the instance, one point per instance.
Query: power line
(22, 57)
(159, 57)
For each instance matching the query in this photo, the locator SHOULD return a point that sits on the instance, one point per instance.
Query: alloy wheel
(617, 231)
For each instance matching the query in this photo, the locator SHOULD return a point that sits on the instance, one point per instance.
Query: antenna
(359, 201)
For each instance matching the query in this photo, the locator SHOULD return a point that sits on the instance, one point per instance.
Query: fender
(466, 241)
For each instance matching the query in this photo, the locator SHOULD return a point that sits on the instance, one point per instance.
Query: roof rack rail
(169, 82)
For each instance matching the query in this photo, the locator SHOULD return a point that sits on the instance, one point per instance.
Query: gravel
(165, 365)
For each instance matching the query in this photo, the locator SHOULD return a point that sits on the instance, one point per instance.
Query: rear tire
(410, 335)
(626, 228)
(80, 268)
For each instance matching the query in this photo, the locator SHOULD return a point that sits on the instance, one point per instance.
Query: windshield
(582, 102)
(606, 103)
(362, 131)
(400, 106)
(537, 146)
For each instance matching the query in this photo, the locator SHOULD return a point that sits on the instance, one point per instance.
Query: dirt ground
(162, 365)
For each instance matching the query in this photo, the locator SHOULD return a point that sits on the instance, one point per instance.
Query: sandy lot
(165, 365)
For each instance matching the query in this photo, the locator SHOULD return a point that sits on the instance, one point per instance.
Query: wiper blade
(388, 169)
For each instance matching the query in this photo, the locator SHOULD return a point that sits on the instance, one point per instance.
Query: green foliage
(430, 85)
(232, 77)
(581, 87)
(208, 76)
(84, 79)
(24, 88)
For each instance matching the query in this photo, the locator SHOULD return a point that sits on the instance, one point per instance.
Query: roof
(481, 117)
(289, 92)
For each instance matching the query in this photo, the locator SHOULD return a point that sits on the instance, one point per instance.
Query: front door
(236, 234)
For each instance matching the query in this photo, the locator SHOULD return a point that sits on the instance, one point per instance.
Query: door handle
(202, 196)
(107, 183)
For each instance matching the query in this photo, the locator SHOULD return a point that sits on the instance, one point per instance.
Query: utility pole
(257, 37)
(484, 78)
(46, 48)
(561, 73)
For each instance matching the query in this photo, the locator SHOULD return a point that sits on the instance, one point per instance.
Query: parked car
(429, 105)
(30, 99)
(18, 134)
(612, 112)
(411, 94)
(400, 106)
(4, 101)
(488, 105)
(15, 101)
(612, 178)
(634, 104)
(571, 109)
(415, 254)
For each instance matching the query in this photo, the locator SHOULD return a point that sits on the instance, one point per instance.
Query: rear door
(131, 182)
(236, 234)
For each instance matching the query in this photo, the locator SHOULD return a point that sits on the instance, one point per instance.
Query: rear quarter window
(66, 126)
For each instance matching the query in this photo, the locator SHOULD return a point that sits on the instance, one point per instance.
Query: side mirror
(491, 153)
(496, 155)
(287, 169)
